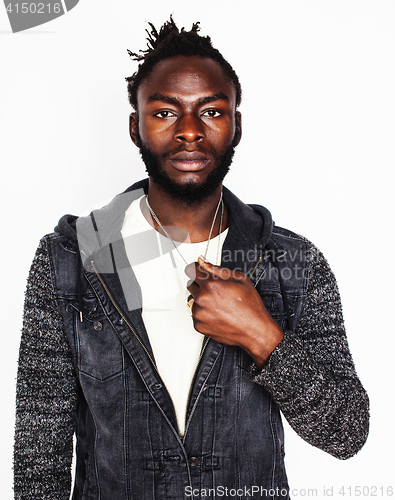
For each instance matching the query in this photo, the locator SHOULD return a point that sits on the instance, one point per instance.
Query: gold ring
(190, 303)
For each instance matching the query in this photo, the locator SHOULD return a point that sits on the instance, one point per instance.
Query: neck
(196, 219)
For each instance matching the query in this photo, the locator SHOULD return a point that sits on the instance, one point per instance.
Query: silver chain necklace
(190, 300)
(220, 203)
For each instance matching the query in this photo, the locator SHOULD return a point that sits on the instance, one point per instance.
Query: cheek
(221, 137)
(150, 133)
(155, 133)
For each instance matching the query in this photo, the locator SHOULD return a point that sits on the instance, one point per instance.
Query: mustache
(196, 149)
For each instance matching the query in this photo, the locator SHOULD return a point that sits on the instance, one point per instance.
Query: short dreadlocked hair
(172, 42)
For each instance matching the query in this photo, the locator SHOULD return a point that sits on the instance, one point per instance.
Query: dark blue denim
(128, 444)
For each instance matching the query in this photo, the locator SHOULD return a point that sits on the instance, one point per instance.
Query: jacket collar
(252, 223)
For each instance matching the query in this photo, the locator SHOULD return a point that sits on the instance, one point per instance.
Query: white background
(318, 149)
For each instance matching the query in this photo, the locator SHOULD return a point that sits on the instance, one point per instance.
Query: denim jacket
(128, 444)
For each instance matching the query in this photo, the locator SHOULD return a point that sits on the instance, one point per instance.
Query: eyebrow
(220, 96)
(163, 98)
(215, 97)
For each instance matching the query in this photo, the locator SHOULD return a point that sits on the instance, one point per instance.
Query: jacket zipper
(206, 341)
(143, 346)
(140, 341)
(124, 317)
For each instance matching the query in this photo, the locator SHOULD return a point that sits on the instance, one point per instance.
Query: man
(168, 329)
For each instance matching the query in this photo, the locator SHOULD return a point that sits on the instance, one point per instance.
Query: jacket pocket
(99, 351)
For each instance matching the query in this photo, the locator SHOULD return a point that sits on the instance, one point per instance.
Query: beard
(190, 192)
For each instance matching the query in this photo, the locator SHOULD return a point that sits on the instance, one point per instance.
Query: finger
(191, 270)
(192, 288)
(189, 283)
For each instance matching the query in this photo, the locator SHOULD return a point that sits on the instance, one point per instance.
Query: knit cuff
(287, 371)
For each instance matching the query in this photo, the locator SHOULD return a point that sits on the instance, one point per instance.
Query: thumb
(205, 264)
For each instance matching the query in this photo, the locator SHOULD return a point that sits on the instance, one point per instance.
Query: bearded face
(189, 192)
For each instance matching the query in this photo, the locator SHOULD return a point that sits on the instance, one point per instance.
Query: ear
(237, 136)
(134, 129)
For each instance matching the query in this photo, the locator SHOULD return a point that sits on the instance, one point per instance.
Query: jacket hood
(252, 224)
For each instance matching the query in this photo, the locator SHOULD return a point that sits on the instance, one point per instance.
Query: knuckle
(198, 325)
(201, 299)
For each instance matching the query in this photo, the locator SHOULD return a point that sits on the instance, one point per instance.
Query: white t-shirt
(159, 269)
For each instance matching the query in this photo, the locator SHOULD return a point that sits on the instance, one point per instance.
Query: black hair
(171, 42)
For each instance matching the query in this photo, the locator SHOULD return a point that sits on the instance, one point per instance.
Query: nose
(189, 129)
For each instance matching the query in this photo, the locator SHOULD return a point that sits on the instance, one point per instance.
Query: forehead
(187, 78)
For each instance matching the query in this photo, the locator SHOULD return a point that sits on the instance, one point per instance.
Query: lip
(189, 161)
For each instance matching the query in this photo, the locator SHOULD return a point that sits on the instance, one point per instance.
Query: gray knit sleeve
(46, 394)
(311, 375)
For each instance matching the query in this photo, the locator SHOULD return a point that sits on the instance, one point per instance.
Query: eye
(212, 113)
(164, 114)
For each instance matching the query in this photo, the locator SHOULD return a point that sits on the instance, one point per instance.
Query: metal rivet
(193, 461)
(158, 386)
(97, 326)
